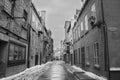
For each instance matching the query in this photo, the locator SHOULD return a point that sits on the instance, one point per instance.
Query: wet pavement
(57, 72)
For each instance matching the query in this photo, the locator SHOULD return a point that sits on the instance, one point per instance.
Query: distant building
(41, 43)
(35, 38)
(66, 42)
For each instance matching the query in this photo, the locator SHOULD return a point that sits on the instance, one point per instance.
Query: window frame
(96, 53)
(88, 55)
(82, 26)
(86, 22)
(93, 10)
(79, 55)
(79, 29)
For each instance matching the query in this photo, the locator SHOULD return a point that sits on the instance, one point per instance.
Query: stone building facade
(24, 39)
(35, 38)
(14, 23)
(95, 40)
(67, 42)
(47, 48)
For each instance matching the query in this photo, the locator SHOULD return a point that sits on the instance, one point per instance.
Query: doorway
(3, 52)
(83, 57)
(36, 59)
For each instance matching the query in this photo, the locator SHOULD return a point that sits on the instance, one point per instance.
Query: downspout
(106, 50)
(29, 37)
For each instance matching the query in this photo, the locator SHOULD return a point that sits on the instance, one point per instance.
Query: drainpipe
(29, 37)
(106, 49)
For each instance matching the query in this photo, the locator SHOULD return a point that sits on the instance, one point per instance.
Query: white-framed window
(82, 26)
(96, 53)
(86, 22)
(73, 35)
(93, 10)
(76, 34)
(79, 28)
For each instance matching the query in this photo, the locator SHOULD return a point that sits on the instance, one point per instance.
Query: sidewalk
(78, 73)
(82, 74)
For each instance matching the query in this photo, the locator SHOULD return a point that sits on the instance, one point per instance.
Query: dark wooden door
(83, 57)
(3, 51)
(36, 59)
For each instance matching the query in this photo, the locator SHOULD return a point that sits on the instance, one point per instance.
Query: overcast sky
(57, 12)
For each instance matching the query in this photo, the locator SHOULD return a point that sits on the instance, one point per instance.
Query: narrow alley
(59, 39)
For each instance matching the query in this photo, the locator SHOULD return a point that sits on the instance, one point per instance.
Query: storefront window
(16, 54)
(11, 53)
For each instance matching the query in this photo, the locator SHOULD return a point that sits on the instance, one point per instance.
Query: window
(93, 9)
(16, 54)
(86, 22)
(11, 52)
(74, 57)
(87, 55)
(78, 28)
(79, 56)
(96, 53)
(75, 34)
(81, 26)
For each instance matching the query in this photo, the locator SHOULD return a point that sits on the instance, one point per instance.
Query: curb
(78, 75)
(82, 76)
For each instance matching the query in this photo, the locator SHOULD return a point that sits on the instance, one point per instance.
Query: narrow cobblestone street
(59, 39)
(57, 72)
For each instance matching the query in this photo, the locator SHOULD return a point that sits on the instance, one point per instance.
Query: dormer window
(93, 11)
(93, 17)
